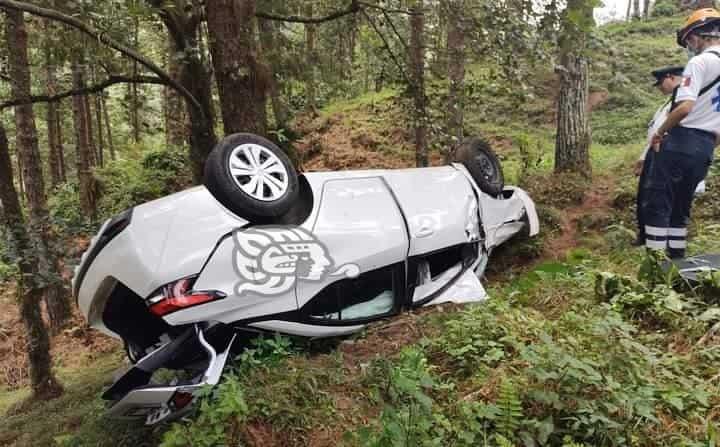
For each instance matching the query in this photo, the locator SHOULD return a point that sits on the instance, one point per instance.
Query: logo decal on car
(269, 259)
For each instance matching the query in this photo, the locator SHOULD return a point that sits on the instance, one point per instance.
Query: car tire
(482, 163)
(251, 177)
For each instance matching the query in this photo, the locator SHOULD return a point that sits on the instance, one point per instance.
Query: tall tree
(182, 20)
(174, 108)
(108, 124)
(133, 94)
(29, 152)
(636, 9)
(240, 75)
(56, 156)
(29, 286)
(456, 30)
(310, 61)
(83, 149)
(417, 82)
(271, 52)
(572, 142)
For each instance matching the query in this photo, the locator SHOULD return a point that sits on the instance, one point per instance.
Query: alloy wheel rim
(258, 172)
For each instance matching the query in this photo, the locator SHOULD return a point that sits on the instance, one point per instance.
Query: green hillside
(584, 341)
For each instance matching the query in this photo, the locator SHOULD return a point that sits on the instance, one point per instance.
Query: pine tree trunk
(108, 126)
(133, 88)
(28, 151)
(572, 143)
(83, 150)
(183, 28)
(90, 133)
(417, 87)
(241, 78)
(175, 116)
(456, 68)
(270, 52)
(42, 380)
(99, 122)
(310, 61)
(629, 10)
(52, 119)
(52, 116)
(60, 141)
(636, 9)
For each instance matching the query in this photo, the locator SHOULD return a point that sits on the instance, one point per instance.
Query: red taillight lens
(181, 399)
(178, 296)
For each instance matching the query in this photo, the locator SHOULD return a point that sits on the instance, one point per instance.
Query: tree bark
(42, 380)
(108, 126)
(175, 116)
(270, 52)
(240, 76)
(636, 9)
(52, 115)
(456, 68)
(310, 61)
(183, 26)
(29, 152)
(83, 150)
(629, 10)
(89, 129)
(417, 82)
(99, 123)
(134, 103)
(572, 142)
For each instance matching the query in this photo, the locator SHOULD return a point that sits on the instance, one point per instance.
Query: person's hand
(656, 141)
(637, 169)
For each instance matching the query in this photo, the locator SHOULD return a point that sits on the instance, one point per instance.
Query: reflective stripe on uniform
(677, 232)
(677, 244)
(655, 245)
(656, 231)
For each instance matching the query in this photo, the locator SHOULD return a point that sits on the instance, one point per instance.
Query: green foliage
(124, 183)
(65, 211)
(510, 412)
(8, 268)
(221, 408)
(127, 183)
(665, 8)
(407, 417)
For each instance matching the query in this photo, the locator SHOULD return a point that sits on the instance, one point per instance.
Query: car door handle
(424, 232)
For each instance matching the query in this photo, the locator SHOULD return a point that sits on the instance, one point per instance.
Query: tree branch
(103, 38)
(112, 80)
(387, 47)
(389, 10)
(352, 8)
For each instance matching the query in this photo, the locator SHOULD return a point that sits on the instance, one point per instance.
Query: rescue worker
(683, 145)
(667, 81)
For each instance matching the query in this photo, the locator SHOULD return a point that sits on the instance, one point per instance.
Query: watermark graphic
(269, 259)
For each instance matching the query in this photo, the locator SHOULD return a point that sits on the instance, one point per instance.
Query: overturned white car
(187, 279)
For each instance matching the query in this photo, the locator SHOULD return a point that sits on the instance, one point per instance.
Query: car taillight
(181, 399)
(178, 295)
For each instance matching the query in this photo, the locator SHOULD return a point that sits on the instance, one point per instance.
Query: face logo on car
(268, 260)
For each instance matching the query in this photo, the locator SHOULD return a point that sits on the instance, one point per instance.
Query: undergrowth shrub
(127, 183)
(260, 385)
(123, 183)
(7, 266)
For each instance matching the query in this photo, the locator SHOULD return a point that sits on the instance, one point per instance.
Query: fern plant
(510, 409)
